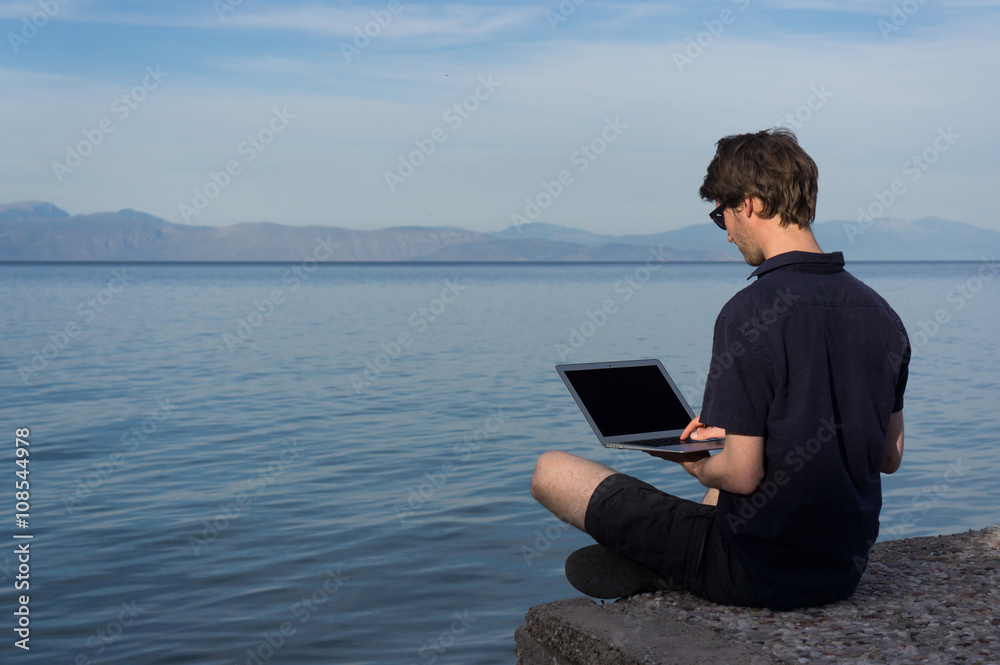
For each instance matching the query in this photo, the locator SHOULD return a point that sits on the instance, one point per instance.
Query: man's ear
(753, 205)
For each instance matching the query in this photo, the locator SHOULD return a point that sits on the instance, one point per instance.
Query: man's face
(740, 235)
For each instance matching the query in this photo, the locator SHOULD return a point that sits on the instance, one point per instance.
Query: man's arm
(738, 468)
(893, 455)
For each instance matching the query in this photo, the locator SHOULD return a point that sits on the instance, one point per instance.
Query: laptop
(633, 404)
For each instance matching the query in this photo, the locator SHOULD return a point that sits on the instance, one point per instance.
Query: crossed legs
(564, 483)
(669, 529)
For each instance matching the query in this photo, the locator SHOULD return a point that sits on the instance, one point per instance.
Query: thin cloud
(888, 100)
(414, 20)
(873, 7)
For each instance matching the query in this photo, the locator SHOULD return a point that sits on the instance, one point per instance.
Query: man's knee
(544, 471)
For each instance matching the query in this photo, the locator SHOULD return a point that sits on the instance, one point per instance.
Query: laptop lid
(630, 401)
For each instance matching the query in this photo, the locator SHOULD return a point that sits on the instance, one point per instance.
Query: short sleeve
(740, 388)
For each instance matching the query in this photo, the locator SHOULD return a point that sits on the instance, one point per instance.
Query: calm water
(210, 491)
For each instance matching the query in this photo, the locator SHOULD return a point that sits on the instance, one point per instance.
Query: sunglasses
(719, 217)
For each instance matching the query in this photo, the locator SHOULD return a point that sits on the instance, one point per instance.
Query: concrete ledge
(580, 632)
(922, 600)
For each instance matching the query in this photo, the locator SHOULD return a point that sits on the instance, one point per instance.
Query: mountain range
(40, 231)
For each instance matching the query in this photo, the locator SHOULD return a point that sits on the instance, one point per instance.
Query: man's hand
(695, 431)
(699, 431)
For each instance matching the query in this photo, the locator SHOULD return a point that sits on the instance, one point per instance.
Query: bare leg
(564, 483)
(711, 497)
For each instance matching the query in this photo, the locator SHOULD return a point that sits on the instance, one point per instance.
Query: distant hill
(128, 235)
(30, 210)
(40, 231)
(928, 239)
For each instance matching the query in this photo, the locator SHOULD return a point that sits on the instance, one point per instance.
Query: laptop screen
(629, 400)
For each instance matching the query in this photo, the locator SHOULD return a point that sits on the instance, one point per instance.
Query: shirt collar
(791, 258)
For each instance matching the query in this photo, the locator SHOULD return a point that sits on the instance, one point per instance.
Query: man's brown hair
(769, 165)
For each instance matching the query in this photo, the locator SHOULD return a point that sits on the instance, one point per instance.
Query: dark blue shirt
(814, 361)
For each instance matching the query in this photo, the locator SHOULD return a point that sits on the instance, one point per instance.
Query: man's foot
(600, 572)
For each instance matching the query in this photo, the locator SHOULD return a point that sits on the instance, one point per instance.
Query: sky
(596, 115)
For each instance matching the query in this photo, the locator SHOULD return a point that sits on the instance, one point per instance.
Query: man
(806, 385)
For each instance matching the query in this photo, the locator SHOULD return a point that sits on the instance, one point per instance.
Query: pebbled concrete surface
(581, 632)
(922, 600)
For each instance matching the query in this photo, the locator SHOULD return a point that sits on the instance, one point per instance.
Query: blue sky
(596, 115)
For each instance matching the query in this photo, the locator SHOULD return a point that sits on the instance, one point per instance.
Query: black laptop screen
(629, 400)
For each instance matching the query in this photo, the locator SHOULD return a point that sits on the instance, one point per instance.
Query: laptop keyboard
(665, 441)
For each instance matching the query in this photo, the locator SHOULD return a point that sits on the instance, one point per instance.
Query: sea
(306, 464)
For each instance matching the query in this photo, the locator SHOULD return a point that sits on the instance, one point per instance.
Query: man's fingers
(692, 426)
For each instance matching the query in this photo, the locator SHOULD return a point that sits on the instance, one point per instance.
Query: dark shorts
(677, 538)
